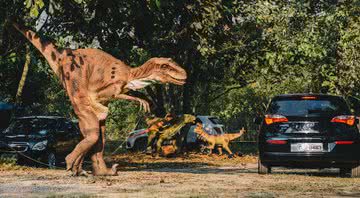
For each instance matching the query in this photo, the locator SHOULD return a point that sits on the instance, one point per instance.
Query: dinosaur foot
(231, 156)
(83, 173)
(107, 172)
(79, 173)
(240, 154)
(69, 163)
(155, 155)
(148, 152)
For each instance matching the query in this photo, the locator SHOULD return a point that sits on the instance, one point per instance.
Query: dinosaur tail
(233, 136)
(47, 49)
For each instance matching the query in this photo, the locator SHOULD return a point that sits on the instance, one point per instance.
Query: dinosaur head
(189, 118)
(156, 70)
(167, 71)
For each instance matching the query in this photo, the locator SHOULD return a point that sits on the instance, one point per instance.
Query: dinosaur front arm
(143, 103)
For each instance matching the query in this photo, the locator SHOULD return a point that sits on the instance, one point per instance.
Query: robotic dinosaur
(92, 78)
(222, 140)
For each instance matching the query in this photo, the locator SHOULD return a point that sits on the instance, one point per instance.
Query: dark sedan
(39, 140)
(309, 131)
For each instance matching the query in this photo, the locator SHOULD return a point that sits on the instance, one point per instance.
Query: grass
(8, 162)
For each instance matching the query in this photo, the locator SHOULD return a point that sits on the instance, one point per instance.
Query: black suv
(47, 139)
(309, 131)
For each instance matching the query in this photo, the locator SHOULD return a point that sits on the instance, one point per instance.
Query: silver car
(137, 139)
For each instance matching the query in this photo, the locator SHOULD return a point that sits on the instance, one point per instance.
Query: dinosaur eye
(163, 66)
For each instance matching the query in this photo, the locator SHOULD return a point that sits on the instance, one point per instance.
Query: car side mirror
(257, 120)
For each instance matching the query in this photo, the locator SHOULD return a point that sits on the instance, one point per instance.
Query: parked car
(137, 139)
(47, 139)
(309, 131)
(5, 115)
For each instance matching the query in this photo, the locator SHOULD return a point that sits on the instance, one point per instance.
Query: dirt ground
(191, 176)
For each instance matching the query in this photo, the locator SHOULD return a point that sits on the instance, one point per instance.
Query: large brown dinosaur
(222, 140)
(92, 78)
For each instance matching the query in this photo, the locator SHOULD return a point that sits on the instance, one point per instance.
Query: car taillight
(308, 97)
(343, 142)
(276, 141)
(269, 119)
(345, 119)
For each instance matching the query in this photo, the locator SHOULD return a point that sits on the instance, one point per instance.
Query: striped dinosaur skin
(92, 78)
(154, 126)
(213, 140)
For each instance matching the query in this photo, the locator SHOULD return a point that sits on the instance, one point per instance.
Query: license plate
(307, 147)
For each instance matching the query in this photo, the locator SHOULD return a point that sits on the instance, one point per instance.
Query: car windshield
(31, 126)
(308, 107)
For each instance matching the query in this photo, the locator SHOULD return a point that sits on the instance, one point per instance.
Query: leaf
(40, 3)
(158, 4)
(34, 12)
(28, 4)
(78, 1)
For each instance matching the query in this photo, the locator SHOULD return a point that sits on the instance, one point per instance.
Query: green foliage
(34, 6)
(123, 118)
(237, 53)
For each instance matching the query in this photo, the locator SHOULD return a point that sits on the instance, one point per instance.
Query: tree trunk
(24, 75)
(188, 85)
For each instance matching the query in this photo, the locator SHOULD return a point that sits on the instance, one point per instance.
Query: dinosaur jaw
(167, 78)
(176, 81)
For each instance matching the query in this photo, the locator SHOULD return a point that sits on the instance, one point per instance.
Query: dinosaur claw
(83, 173)
(114, 169)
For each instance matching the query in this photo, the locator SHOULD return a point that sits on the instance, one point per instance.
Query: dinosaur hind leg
(226, 147)
(77, 169)
(211, 148)
(150, 142)
(97, 156)
(158, 146)
(220, 150)
(89, 126)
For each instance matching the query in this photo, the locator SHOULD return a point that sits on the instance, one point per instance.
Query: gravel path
(145, 178)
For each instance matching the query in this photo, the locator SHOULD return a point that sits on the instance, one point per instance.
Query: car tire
(355, 171)
(262, 168)
(350, 172)
(140, 144)
(51, 160)
(345, 172)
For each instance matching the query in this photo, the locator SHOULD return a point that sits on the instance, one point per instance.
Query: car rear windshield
(215, 120)
(31, 126)
(308, 106)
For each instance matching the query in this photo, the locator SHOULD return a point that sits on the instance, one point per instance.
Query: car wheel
(140, 145)
(350, 172)
(51, 160)
(262, 168)
(355, 171)
(345, 172)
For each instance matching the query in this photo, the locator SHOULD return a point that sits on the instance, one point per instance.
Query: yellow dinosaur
(213, 140)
